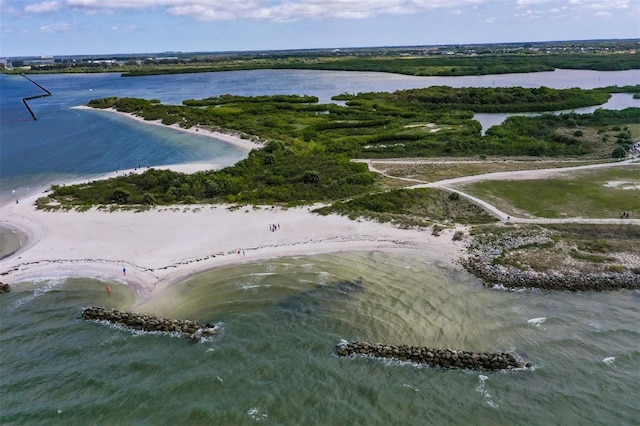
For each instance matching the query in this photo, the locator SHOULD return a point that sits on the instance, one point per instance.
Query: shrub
(619, 152)
(269, 159)
(311, 176)
(457, 236)
(149, 199)
(120, 196)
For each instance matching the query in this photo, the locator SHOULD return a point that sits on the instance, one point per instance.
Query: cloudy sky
(67, 27)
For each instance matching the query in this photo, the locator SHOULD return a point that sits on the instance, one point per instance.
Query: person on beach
(109, 290)
(124, 271)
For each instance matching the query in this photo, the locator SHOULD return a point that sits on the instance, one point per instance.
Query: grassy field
(411, 208)
(604, 193)
(432, 172)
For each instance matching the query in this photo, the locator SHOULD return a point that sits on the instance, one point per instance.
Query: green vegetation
(482, 99)
(436, 121)
(308, 158)
(603, 193)
(440, 65)
(607, 55)
(407, 208)
(297, 174)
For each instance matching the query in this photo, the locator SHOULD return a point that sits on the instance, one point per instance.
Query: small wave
(482, 389)
(50, 284)
(248, 286)
(256, 415)
(609, 360)
(410, 387)
(536, 322)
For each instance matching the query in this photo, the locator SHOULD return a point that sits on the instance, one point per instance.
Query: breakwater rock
(144, 322)
(5, 288)
(509, 277)
(446, 358)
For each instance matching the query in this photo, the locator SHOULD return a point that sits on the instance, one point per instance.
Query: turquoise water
(274, 362)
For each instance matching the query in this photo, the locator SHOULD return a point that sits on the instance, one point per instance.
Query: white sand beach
(163, 246)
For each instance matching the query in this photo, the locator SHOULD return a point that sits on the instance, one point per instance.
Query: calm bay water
(273, 362)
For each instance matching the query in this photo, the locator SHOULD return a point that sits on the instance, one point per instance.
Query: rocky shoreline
(513, 278)
(191, 329)
(487, 252)
(445, 358)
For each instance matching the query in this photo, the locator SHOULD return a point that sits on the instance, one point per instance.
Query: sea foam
(536, 322)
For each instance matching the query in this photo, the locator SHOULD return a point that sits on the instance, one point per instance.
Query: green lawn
(588, 194)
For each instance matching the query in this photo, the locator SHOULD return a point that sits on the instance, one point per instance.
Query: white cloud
(54, 28)
(274, 10)
(293, 10)
(43, 7)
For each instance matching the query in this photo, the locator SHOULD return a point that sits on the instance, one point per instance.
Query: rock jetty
(495, 275)
(144, 322)
(446, 358)
(5, 288)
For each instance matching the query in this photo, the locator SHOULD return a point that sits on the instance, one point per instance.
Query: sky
(82, 27)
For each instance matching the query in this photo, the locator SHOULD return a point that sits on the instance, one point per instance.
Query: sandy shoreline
(163, 246)
(233, 139)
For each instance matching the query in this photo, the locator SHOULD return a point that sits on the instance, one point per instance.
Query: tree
(311, 176)
(120, 196)
(619, 152)
(269, 159)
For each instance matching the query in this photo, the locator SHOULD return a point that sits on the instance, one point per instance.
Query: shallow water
(10, 241)
(274, 361)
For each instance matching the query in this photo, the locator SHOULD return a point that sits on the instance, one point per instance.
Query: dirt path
(449, 185)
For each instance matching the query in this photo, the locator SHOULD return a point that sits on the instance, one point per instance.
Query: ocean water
(274, 360)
